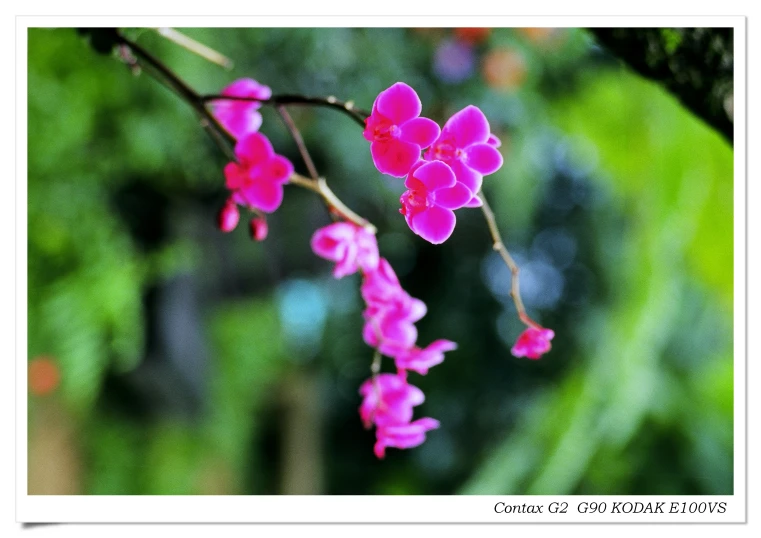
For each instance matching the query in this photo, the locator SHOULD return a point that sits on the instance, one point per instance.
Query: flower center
(414, 201)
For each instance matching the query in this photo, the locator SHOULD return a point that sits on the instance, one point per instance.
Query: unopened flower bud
(228, 217)
(259, 229)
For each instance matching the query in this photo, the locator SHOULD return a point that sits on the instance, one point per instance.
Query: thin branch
(224, 139)
(499, 247)
(296, 135)
(190, 44)
(346, 107)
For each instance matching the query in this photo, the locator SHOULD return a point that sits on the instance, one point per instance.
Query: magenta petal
(483, 158)
(453, 197)
(474, 202)
(394, 157)
(254, 148)
(434, 224)
(399, 103)
(247, 87)
(420, 131)
(494, 141)
(435, 175)
(468, 126)
(264, 195)
(418, 310)
(234, 176)
(242, 122)
(278, 170)
(441, 346)
(467, 176)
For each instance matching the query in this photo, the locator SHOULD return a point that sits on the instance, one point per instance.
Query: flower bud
(259, 229)
(228, 217)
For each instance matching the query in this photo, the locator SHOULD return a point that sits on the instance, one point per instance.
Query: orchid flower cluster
(443, 170)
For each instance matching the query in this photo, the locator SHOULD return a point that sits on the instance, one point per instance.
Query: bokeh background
(166, 357)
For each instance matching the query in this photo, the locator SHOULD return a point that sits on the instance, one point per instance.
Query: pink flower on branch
(468, 147)
(390, 327)
(433, 193)
(533, 342)
(351, 246)
(241, 117)
(403, 436)
(395, 131)
(257, 179)
(420, 360)
(387, 402)
(388, 399)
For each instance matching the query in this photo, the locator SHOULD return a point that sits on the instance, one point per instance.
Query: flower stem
(501, 249)
(226, 141)
(346, 107)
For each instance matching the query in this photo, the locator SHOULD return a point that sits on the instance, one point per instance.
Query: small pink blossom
(351, 246)
(403, 436)
(381, 285)
(241, 117)
(433, 193)
(396, 132)
(420, 360)
(257, 179)
(533, 342)
(468, 147)
(388, 400)
(228, 217)
(259, 229)
(390, 327)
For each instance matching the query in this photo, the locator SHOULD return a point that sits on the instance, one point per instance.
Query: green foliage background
(193, 361)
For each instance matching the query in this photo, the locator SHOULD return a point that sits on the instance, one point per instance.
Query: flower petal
(434, 224)
(399, 103)
(483, 158)
(474, 202)
(420, 131)
(394, 157)
(435, 175)
(467, 176)
(468, 126)
(264, 195)
(254, 148)
(278, 170)
(453, 197)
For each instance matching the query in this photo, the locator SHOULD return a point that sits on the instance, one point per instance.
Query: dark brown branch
(695, 64)
(346, 107)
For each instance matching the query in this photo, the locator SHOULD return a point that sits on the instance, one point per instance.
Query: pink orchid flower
(381, 285)
(396, 132)
(403, 436)
(351, 246)
(468, 147)
(533, 342)
(420, 360)
(241, 117)
(433, 193)
(388, 400)
(257, 179)
(390, 327)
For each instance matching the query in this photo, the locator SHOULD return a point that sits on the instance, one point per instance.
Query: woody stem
(226, 141)
(501, 249)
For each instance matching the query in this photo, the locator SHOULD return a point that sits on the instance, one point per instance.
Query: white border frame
(39, 508)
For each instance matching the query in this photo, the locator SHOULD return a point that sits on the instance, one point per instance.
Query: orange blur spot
(474, 36)
(504, 69)
(44, 375)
